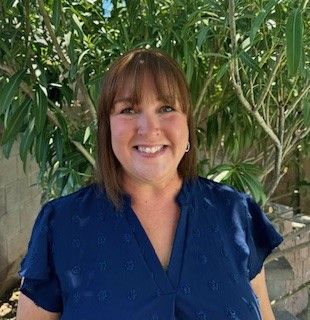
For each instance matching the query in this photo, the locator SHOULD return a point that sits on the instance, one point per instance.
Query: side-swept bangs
(128, 72)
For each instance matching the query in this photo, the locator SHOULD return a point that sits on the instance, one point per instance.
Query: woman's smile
(151, 151)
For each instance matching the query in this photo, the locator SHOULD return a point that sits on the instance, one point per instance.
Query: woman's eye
(128, 110)
(166, 109)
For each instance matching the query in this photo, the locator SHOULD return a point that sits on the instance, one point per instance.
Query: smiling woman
(151, 240)
(144, 88)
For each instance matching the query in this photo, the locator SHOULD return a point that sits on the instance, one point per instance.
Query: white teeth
(149, 149)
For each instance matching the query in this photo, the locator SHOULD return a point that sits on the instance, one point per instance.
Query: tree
(247, 66)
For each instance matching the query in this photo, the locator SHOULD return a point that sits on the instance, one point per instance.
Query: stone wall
(288, 277)
(19, 203)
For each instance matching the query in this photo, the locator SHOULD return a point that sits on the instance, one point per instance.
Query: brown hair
(169, 81)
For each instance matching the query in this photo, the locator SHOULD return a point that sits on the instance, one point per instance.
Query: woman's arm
(260, 288)
(28, 310)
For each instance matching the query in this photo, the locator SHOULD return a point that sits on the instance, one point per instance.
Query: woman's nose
(148, 124)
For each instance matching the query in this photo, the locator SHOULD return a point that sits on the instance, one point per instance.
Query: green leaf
(41, 148)
(202, 36)
(306, 112)
(86, 134)
(82, 56)
(40, 109)
(294, 44)
(79, 26)
(221, 176)
(15, 122)
(222, 71)
(26, 142)
(259, 19)
(62, 123)
(251, 63)
(253, 185)
(56, 13)
(58, 144)
(8, 91)
(6, 149)
(189, 70)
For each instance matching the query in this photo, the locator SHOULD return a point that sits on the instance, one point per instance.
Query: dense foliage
(247, 64)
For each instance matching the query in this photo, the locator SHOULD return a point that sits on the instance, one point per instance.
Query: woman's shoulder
(82, 194)
(205, 186)
(83, 201)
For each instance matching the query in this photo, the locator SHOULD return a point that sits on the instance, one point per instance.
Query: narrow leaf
(15, 122)
(259, 19)
(8, 91)
(294, 35)
(86, 135)
(41, 148)
(56, 13)
(40, 109)
(26, 142)
(222, 71)
(201, 38)
(6, 149)
(247, 59)
(58, 144)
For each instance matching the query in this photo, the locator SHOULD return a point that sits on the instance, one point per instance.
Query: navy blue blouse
(90, 262)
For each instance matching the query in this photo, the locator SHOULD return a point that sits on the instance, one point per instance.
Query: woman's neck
(149, 194)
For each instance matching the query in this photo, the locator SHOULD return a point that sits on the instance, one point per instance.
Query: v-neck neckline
(166, 279)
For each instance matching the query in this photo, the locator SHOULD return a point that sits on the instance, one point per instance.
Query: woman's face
(149, 138)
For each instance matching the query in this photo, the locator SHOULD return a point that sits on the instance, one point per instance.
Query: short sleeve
(41, 283)
(262, 237)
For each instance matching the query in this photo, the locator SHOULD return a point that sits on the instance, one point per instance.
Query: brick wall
(19, 204)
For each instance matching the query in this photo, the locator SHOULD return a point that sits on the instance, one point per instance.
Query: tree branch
(270, 81)
(235, 77)
(278, 154)
(295, 141)
(294, 105)
(86, 154)
(86, 97)
(7, 69)
(51, 32)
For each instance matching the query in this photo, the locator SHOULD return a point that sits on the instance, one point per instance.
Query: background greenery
(247, 64)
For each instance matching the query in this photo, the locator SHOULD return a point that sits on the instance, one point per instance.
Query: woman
(154, 242)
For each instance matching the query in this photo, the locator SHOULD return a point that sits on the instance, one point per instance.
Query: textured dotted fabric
(90, 262)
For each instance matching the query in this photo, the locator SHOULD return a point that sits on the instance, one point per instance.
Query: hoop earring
(188, 146)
